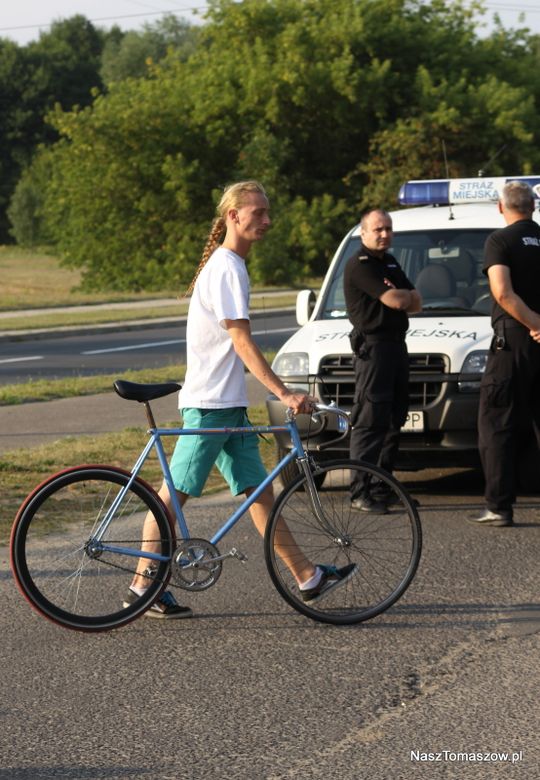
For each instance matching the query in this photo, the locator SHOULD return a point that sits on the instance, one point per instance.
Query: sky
(23, 20)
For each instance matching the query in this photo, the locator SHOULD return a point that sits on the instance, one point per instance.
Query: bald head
(376, 231)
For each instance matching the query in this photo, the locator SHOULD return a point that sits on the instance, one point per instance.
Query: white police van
(439, 244)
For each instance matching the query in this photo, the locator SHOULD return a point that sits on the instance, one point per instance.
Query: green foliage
(13, 116)
(61, 67)
(302, 240)
(108, 206)
(487, 122)
(25, 209)
(130, 55)
(331, 103)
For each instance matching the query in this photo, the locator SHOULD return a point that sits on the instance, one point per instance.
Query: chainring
(195, 565)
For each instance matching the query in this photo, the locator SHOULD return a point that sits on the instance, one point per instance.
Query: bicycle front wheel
(380, 550)
(61, 570)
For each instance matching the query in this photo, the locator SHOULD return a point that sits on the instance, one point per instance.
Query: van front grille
(336, 376)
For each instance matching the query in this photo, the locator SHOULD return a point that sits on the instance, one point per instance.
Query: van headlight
(475, 363)
(291, 364)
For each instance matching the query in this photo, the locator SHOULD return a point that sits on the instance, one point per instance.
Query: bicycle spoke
(62, 571)
(385, 548)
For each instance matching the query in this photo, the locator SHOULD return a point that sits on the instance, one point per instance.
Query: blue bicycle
(78, 536)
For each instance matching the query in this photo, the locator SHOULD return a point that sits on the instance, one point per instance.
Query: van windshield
(444, 265)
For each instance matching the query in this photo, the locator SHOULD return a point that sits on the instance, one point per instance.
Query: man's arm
(500, 284)
(409, 301)
(252, 357)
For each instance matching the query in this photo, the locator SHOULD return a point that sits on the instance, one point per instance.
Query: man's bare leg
(151, 535)
(300, 567)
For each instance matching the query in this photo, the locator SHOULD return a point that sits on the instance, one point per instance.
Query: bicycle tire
(52, 565)
(385, 547)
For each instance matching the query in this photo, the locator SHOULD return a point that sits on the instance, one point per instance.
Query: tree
(61, 67)
(12, 80)
(26, 207)
(468, 125)
(129, 55)
(331, 103)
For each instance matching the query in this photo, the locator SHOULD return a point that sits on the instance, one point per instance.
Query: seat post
(149, 415)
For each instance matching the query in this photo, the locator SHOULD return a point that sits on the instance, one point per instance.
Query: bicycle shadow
(512, 619)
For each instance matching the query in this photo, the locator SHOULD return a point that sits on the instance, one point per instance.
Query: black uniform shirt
(518, 247)
(363, 284)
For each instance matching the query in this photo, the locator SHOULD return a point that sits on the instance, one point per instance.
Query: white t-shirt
(215, 377)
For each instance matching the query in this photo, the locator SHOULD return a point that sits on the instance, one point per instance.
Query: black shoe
(369, 504)
(165, 607)
(494, 519)
(331, 578)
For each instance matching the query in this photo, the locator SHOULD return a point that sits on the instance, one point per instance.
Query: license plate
(414, 422)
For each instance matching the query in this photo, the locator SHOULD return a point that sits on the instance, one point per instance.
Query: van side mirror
(305, 303)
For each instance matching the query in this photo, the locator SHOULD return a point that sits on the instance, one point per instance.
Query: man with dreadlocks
(219, 348)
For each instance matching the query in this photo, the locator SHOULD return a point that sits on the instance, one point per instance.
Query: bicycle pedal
(234, 553)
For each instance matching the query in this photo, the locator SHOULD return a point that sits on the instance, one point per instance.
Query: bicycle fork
(305, 464)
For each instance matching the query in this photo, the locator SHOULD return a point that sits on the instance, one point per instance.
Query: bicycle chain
(131, 571)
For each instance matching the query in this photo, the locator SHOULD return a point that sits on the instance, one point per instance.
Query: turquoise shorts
(236, 455)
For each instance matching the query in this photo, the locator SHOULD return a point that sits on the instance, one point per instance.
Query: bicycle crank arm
(233, 553)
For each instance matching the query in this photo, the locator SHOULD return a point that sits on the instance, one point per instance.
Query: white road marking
(21, 359)
(151, 344)
(134, 346)
(269, 332)
(146, 345)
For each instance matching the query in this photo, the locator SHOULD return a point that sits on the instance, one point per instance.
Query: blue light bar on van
(445, 192)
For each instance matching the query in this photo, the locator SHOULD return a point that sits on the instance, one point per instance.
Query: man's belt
(500, 328)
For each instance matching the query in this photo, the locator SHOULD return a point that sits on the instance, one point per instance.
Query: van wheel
(291, 471)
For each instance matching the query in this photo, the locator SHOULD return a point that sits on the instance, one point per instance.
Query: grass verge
(22, 470)
(32, 279)
(50, 389)
(109, 315)
(36, 280)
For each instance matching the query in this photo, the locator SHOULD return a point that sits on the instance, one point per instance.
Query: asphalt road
(107, 349)
(442, 685)
(249, 690)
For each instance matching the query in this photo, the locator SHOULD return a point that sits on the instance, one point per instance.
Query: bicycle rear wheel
(66, 577)
(385, 547)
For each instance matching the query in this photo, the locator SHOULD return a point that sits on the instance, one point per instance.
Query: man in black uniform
(510, 388)
(378, 296)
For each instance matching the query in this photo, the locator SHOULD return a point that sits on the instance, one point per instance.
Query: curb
(112, 327)
(85, 330)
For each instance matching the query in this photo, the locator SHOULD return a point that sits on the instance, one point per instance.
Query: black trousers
(509, 403)
(380, 406)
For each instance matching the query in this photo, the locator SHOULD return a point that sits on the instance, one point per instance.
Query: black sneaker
(165, 607)
(369, 504)
(498, 519)
(331, 578)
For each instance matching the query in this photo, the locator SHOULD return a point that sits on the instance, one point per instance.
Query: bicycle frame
(154, 442)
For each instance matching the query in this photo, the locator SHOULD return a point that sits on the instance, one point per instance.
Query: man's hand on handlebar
(300, 403)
